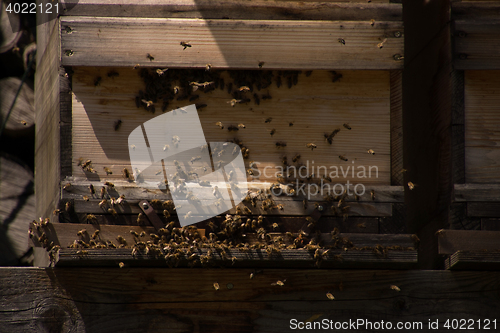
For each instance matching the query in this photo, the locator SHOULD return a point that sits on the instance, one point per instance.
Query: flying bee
(97, 81)
(188, 215)
(343, 158)
(330, 296)
(284, 160)
(103, 203)
(346, 125)
(395, 288)
(24, 122)
(126, 173)
(150, 57)
(272, 131)
(117, 125)
(244, 88)
(341, 41)
(148, 103)
(240, 125)
(311, 145)
(160, 72)
(411, 185)
(268, 120)
(280, 144)
(185, 44)
(371, 151)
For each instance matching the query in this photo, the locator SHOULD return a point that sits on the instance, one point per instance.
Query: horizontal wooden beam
(477, 192)
(477, 44)
(473, 260)
(483, 209)
(237, 9)
(451, 241)
(92, 41)
(475, 10)
(147, 299)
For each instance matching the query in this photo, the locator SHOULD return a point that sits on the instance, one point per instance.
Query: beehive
(311, 68)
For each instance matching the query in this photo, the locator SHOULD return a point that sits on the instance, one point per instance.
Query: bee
(279, 283)
(113, 74)
(150, 57)
(82, 232)
(372, 194)
(103, 203)
(134, 233)
(335, 76)
(95, 234)
(295, 158)
(136, 66)
(188, 215)
(280, 144)
(103, 192)
(208, 67)
(160, 72)
(261, 63)
(395, 288)
(372, 22)
(86, 198)
(121, 264)
(411, 186)
(346, 125)
(440, 233)
(381, 44)
(91, 218)
(177, 89)
(97, 81)
(244, 88)
(67, 186)
(68, 206)
(126, 173)
(273, 131)
(166, 213)
(148, 103)
(216, 286)
(311, 145)
(232, 128)
(121, 240)
(234, 101)
(56, 211)
(268, 120)
(371, 151)
(109, 184)
(117, 125)
(166, 147)
(343, 158)
(341, 41)
(241, 125)
(185, 45)
(281, 207)
(108, 171)
(330, 296)
(24, 122)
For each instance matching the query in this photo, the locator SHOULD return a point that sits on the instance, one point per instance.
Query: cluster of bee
(37, 231)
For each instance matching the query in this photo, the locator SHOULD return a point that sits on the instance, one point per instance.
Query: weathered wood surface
(482, 120)
(451, 241)
(315, 106)
(184, 300)
(22, 117)
(47, 119)
(473, 260)
(260, 10)
(230, 43)
(477, 192)
(483, 209)
(475, 10)
(492, 224)
(477, 42)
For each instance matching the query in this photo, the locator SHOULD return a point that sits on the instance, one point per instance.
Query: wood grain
(483, 209)
(175, 300)
(261, 10)
(22, 117)
(477, 43)
(473, 260)
(477, 192)
(492, 224)
(451, 241)
(230, 43)
(482, 120)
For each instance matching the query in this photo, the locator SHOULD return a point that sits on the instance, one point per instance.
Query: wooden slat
(255, 10)
(184, 300)
(478, 45)
(396, 128)
(451, 241)
(473, 260)
(475, 10)
(483, 209)
(490, 224)
(477, 192)
(231, 43)
(482, 120)
(315, 106)
(47, 120)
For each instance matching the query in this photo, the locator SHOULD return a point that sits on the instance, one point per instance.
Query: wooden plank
(477, 192)
(459, 220)
(476, 10)
(451, 241)
(254, 10)
(483, 209)
(47, 120)
(46, 24)
(482, 119)
(491, 224)
(160, 300)
(477, 44)
(474, 260)
(315, 106)
(397, 177)
(230, 43)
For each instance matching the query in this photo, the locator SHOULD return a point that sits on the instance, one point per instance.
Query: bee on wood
(372, 194)
(272, 131)
(330, 296)
(440, 232)
(268, 120)
(208, 67)
(346, 125)
(371, 151)
(108, 171)
(95, 234)
(56, 211)
(335, 76)
(234, 101)
(185, 45)
(244, 88)
(136, 66)
(109, 184)
(188, 215)
(381, 44)
(91, 218)
(113, 73)
(411, 185)
(150, 57)
(67, 186)
(341, 41)
(343, 158)
(24, 122)
(280, 144)
(261, 63)
(126, 173)
(232, 128)
(311, 145)
(240, 125)
(279, 283)
(103, 203)
(121, 240)
(81, 232)
(97, 81)
(68, 206)
(103, 192)
(86, 198)
(372, 22)
(121, 264)
(216, 286)
(395, 288)
(148, 103)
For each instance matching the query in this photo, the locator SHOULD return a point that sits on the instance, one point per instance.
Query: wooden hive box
(475, 123)
(311, 67)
